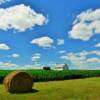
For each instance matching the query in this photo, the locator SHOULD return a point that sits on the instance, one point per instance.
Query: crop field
(46, 75)
(79, 89)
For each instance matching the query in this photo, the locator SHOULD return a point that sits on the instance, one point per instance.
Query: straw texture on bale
(18, 82)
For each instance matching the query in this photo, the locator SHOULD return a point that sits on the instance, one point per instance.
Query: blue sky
(60, 31)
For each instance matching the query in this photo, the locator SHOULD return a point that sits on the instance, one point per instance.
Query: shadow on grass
(32, 91)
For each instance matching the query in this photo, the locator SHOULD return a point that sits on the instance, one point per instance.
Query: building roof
(60, 65)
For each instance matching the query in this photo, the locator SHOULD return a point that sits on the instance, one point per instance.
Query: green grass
(80, 89)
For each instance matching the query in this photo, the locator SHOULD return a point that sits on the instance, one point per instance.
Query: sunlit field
(79, 89)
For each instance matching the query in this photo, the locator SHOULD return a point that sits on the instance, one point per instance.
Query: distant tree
(46, 68)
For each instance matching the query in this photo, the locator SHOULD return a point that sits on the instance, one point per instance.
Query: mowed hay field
(79, 89)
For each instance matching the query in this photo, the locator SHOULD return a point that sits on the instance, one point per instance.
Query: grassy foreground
(80, 89)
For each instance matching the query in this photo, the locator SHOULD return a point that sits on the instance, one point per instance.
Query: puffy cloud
(13, 66)
(93, 60)
(62, 51)
(60, 42)
(36, 57)
(44, 42)
(20, 17)
(95, 52)
(4, 46)
(3, 1)
(73, 57)
(85, 53)
(81, 60)
(86, 25)
(7, 65)
(97, 45)
(15, 55)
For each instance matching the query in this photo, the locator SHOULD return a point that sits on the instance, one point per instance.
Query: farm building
(61, 67)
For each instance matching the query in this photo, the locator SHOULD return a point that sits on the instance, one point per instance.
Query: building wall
(65, 67)
(59, 68)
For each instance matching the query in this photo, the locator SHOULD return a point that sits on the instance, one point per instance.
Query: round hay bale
(18, 82)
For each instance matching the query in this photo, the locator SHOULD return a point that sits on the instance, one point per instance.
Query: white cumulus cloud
(81, 60)
(36, 57)
(93, 60)
(3, 1)
(61, 51)
(97, 45)
(4, 46)
(20, 17)
(44, 42)
(7, 65)
(15, 55)
(86, 25)
(13, 66)
(60, 42)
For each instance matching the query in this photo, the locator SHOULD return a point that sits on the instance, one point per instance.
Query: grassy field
(80, 89)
